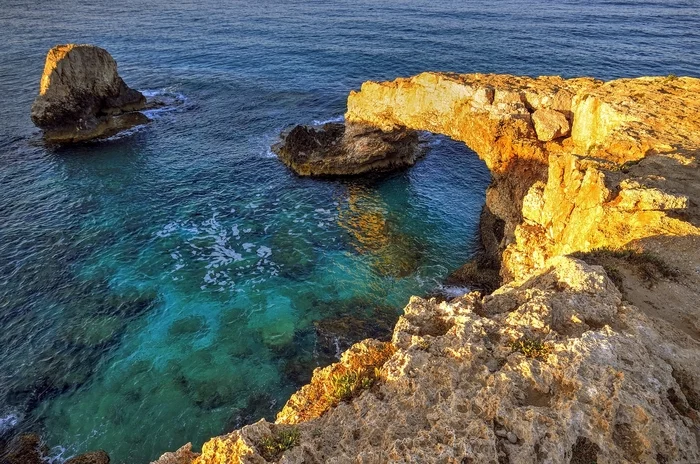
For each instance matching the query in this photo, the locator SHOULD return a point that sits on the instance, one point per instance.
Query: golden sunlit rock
(82, 97)
(592, 358)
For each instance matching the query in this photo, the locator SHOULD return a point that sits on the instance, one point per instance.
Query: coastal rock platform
(589, 350)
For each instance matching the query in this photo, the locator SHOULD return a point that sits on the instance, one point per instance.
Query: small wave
(126, 133)
(8, 422)
(452, 291)
(167, 92)
(320, 122)
(163, 101)
(57, 455)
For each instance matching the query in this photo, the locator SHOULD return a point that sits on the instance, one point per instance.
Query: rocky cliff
(590, 352)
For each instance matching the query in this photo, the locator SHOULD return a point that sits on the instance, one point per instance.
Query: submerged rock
(26, 448)
(335, 335)
(336, 149)
(82, 97)
(93, 457)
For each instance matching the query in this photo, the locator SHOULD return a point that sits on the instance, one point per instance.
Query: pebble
(513, 438)
(501, 433)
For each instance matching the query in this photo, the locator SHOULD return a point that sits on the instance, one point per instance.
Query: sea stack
(82, 97)
(337, 149)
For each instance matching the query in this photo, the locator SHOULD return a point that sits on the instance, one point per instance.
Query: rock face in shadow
(337, 149)
(82, 97)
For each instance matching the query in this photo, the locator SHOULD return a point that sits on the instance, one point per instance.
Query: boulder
(82, 97)
(550, 124)
(337, 149)
(26, 448)
(93, 457)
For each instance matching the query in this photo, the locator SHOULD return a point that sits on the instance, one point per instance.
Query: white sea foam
(220, 247)
(453, 291)
(264, 252)
(320, 122)
(8, 422)
(168, 98)
(126, 133)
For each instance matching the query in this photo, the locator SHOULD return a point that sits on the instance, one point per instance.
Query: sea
(177, 281)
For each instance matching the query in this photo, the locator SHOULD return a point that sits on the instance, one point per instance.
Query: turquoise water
(165, 286)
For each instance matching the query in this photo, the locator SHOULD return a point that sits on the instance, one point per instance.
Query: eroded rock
(82, 97)
(93, 457)
(550, 124)
(557, 365)
(599, 382)
(26, 448)
(336, 149)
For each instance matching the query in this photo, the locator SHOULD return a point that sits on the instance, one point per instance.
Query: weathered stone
(550, 124)
(93, 457)
(184, 455)
(26, 448)
(609, 389)
(555, 366)
(82, 97)
(336, 149)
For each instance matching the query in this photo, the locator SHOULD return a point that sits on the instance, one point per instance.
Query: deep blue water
(162, 287)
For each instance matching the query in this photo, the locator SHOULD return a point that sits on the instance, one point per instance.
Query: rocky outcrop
(28, 448)
(555, 369)
(336, 149)
(627, 170)
(587, 359)
(25, 448)
(93, 457)
(82, 97)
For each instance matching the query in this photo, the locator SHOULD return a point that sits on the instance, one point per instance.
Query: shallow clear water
(162, 287)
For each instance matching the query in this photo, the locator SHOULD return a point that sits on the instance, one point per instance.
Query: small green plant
(532, 348)
(273, 446)
(351, 383)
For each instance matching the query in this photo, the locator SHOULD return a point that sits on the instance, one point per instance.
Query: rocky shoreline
(589, 350)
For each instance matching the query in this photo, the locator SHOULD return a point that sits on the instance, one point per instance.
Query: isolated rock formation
(82, 97)
(336, 149)
(592, 358)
